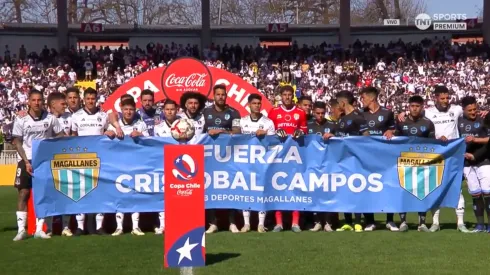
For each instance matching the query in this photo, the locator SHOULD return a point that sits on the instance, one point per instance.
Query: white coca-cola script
(184, 193)
(194, 80)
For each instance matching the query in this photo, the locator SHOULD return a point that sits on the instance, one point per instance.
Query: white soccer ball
(182, 128)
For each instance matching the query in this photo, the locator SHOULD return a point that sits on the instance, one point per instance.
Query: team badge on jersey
(327, 130)
(99, 119)
(210, 116)
(423, 128)
(46, 125)
(296, 116)
(477, 125)
(75, 174)
(227, 116)
(349, 122)
(381, 118)
(420, 172)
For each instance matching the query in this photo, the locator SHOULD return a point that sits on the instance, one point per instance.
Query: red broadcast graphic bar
(184, 206)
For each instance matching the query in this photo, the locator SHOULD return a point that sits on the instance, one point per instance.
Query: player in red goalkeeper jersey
(288, 120)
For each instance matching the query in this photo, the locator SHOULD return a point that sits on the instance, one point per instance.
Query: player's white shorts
(478, 179)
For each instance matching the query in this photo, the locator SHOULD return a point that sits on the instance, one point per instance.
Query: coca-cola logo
(184, 193)
(186, 75)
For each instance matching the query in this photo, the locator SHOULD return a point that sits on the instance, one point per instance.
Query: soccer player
(416, 124)
(220, 118)
(352, 123)
(38, 124)
(325, 128)
(288, 120)
(305, 103)
(89, 121)
(163, 130)
(73, 100)
(259, 125)
(134, 128)
(476, 170)
(192, 104)
(445, 118)
(380, 122)
(57, 105)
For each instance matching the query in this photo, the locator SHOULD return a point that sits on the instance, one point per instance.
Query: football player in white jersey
(258, 125)
(163, 130)
(134, 128)
(193, 103)
(89, 121)
(73, 100)
(57, 106)
(38, 124)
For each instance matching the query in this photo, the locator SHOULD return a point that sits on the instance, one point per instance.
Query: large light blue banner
(356, 174)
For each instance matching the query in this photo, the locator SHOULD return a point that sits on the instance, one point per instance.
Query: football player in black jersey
(220, 118)
(415, 125)
(352, 123)
(326, 129)
(380, 122)
(476, 170)
(305, 103)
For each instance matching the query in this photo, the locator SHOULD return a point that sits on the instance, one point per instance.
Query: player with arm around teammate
(476, 169)
(415, 125)
(37, 124)
(325, 128)
(289, 120)
(133, 128)
(219, 119)
(258, 125)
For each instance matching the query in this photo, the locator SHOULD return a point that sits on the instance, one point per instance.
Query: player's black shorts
(23, 180)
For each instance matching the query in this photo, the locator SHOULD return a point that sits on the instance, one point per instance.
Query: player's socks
(135, 218)
(99, 219)
(357, 218)
(119, 220)
(49, 224)
(279, 217)
(479, 209)
(80, 221)
(422, 216)
(296, 217)
(348, 218)
(435, 216)
(403, 217)
(460, 210)
(65, 220)
(21, 220)
(261, 218)
(39, 225)
(161, 218)
(390, 217)
(246, 217)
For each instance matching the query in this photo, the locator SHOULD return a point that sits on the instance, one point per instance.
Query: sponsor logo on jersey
(75, 174)
(186, 75)
(371, 123)
(217, 121)
(420, 172)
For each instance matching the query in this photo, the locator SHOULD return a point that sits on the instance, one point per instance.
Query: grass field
(379, 252)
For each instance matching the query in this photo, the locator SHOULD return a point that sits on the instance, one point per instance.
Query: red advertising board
(187, 74)
(184, 244)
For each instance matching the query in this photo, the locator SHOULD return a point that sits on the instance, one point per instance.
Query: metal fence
(8, 157)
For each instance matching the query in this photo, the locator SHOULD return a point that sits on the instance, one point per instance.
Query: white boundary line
(186, 271)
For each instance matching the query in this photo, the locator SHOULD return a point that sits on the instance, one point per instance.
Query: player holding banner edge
(288, 120)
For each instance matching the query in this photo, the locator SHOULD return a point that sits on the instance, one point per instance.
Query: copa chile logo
(186, 75)
(185, 168)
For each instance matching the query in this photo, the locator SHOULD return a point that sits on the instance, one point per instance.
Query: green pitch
(379, 252)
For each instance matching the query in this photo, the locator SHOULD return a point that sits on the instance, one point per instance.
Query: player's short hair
(35, 92)
(286, 88)
(333, 102)
(129, 101)
(126, 96)
(193, 95)
(416, 99)
(170, 102)
(439, 89)
(347, 95)
(468, 100)
(218, 87)
(370, 91)
(254, 96)
(55, 96)
(320, 105)
(304, 97)
(72, 90)
(90, 91)
(147, 92)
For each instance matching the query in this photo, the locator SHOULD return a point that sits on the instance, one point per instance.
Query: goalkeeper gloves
(281, 133)
(297, 133)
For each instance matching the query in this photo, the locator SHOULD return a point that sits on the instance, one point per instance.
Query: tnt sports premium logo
(75, 174)
(420, 173)
(423, 21)
(187, 75)
(185, 168)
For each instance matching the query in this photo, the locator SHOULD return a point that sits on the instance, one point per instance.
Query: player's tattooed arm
(17, 141)
(114, 121)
